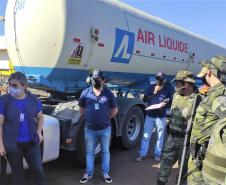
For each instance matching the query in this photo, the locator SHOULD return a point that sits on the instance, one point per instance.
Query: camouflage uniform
(209, 112)
(180, 112)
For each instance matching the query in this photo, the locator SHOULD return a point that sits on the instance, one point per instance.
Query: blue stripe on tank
(72, 80)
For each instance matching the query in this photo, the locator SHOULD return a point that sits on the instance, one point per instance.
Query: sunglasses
(13, 85)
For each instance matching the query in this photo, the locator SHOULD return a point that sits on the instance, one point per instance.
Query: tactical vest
(214, 164)
(12, 120)
(205, 117)
(181, 112)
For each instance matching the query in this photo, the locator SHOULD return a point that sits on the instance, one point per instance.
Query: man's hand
(114, 111)
(162, 104)
(2, 150)
(40, 137)
(40, 119)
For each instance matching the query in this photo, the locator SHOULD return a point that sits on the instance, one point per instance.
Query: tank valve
(95, 34)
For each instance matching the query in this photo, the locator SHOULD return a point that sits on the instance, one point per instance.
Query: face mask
(96, 84)
(14, 91)
(180, 90)
(159, 81)
(204, 81)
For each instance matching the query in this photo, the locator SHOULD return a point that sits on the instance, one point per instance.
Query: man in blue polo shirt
(98, 105)
(158, 92)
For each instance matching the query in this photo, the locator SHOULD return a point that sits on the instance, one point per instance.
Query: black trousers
(31, 153)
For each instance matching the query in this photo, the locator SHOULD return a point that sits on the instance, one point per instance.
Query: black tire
(133, 126)
(46, 109)
(81, 150)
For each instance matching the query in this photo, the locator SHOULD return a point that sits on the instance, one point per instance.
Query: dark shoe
(85, 178)
(160, 182)
(107, 178)
(140, 158)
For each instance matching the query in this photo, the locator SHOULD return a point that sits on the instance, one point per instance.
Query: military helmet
(185, 76)
(216, 63)
(219, 62)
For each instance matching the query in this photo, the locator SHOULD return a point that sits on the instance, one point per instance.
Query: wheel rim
(133, 127)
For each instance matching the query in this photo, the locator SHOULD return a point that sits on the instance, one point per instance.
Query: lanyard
(21, 106)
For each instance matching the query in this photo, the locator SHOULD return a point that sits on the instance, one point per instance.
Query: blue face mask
(14, 91)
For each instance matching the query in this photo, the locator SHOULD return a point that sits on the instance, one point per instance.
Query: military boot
(160, 182)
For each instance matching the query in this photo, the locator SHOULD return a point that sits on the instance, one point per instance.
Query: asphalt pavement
(124, 170)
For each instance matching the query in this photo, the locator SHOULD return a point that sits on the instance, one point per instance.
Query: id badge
(96, 106)
(21, 117)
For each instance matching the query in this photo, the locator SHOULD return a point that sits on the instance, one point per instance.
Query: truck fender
(51, 142)
(70, 120)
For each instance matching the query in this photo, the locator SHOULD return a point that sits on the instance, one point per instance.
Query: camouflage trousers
(196, 177)
(171, 154)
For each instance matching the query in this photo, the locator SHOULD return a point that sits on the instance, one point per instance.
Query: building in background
(6, 66)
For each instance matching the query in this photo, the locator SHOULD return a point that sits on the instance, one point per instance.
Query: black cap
(97, 74)
(160, 75)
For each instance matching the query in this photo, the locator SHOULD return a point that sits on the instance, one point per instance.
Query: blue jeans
(31, 153)
(150, 123)
(91, 140)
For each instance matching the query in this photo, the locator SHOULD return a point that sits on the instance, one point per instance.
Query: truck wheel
(132, 127)
(81, 150)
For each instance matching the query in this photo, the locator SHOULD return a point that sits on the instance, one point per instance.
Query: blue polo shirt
(97, 109)
(24, 132)
(165, 92)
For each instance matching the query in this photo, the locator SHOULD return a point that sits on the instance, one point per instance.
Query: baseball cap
(97, 74)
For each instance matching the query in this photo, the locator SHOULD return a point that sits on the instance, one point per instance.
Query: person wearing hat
(209, 112)
(158, 91)
(98, 105)
(181, 108)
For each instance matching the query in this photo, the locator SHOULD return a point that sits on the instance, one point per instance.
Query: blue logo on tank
(124, 46)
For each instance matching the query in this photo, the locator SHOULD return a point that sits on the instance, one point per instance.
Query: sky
(2, 13)
(204, 17)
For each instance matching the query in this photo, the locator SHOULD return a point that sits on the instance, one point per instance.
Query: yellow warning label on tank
(76, 55)
(75, 61)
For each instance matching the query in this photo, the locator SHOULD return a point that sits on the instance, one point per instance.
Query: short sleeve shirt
(24, 132)
(97, 109)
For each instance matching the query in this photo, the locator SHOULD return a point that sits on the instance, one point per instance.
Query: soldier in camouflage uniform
(209, 112)
(180, 114)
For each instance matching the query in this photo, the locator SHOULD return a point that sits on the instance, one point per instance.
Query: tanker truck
(56, 43)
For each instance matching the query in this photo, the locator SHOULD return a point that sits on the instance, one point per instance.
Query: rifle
(187, 137)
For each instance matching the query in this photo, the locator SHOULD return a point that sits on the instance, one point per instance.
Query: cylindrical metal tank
(57, 42)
